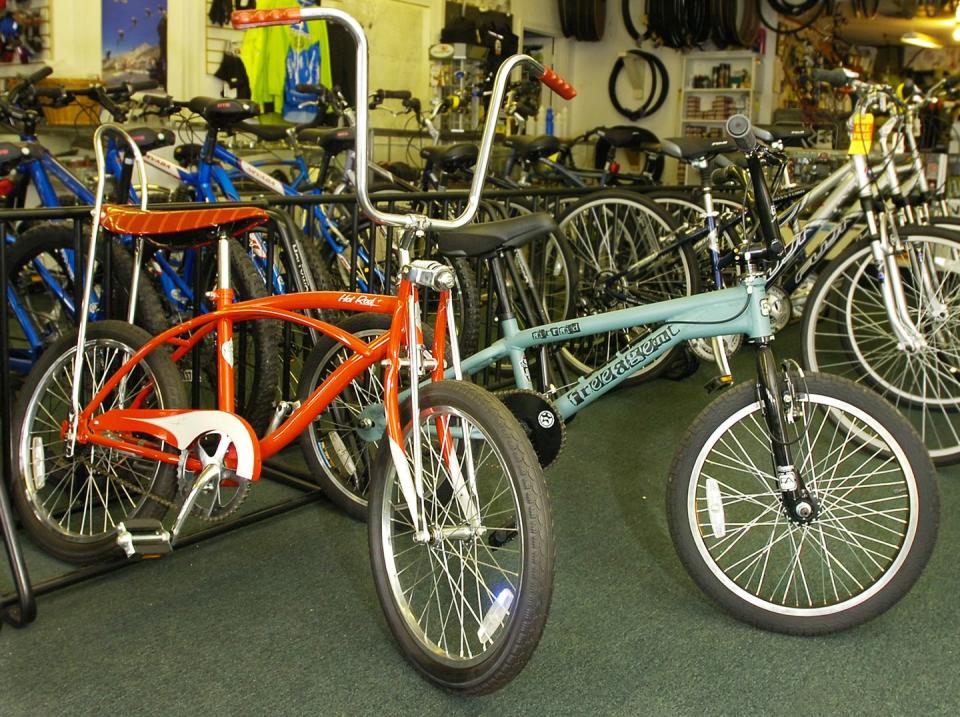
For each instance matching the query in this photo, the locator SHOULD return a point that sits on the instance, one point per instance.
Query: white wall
(76, 54)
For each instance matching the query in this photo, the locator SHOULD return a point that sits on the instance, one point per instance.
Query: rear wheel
(71, 506)
(469, 604)
(610, 232)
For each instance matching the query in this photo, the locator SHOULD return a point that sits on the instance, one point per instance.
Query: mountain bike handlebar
(242, 19)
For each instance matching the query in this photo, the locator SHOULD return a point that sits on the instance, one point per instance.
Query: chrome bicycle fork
(885, 258)
(438, 277)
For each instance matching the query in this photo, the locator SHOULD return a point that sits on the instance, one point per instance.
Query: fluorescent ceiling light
(919, 39)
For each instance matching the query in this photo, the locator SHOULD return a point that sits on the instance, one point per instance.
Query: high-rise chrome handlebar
(291, 16)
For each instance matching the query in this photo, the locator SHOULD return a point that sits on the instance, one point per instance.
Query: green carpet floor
(281, 617)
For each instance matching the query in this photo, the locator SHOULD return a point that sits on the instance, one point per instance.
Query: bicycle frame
(740, 309)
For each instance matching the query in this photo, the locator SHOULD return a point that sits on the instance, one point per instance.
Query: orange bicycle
(461, 532)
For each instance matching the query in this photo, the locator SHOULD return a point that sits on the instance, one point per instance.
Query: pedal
(719, 383)
(143, 536)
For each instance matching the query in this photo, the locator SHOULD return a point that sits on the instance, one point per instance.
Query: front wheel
(847, 332)
(877, 508)
(469, 604)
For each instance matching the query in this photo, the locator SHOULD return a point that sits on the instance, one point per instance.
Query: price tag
(861, 139)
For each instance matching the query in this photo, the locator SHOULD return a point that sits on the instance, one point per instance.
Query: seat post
(223, 266)
(224, 297)
(713, 237)
(496, 268)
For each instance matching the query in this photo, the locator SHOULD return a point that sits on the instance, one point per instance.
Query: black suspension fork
(778, 412)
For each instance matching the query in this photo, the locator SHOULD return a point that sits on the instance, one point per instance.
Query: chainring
(215, 502)
(540, 420)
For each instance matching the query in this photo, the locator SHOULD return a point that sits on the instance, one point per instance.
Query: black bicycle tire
(749, 24)
(815, 15)
(351, 503)
(258, 402)
(660, 86)
(164, 485)
(531, 606)
(46, 238)
(707, 424)
(628, 21)
(565, 25)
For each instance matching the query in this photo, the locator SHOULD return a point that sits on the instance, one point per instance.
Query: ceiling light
(956, 34)
(919, 39)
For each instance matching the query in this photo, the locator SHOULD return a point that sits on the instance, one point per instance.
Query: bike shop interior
(298, 289)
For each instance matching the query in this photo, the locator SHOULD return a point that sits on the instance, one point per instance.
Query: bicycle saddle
(781, 133)
(490, 237)
(222, 113)
(692, 148)
(452, 157)
(266, 132)
(149, 138)
(533, 148)
(331, 141)
(12, 153)
(184, 228)
(623, 136)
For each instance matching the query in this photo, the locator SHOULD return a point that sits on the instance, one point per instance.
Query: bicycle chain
(176, 505)
(563, 426)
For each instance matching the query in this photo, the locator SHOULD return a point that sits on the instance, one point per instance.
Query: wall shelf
(721, 102)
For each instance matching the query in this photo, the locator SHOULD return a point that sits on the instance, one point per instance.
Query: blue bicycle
(41, 262)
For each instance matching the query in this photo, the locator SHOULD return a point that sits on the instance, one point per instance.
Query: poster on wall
(134, 38)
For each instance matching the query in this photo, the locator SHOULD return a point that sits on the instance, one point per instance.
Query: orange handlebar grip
(242, 19)
(556, 83)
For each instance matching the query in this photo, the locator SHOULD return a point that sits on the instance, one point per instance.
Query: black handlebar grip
(44, 71)
(741, 132)
(310, 89)
(51, 92)
(395, 94)
(141, 85)
(158, 100)
(838, 77)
